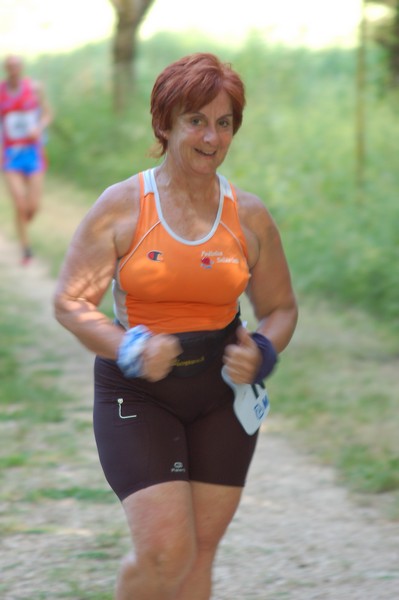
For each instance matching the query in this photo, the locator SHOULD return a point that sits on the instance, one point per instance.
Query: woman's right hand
(159, 356)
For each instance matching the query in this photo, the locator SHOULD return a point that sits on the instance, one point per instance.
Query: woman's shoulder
(115, 212)
(117, 202)
(122, 193)
(251, 208)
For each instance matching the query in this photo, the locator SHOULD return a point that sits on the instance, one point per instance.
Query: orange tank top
(171, 284)
(19, 112)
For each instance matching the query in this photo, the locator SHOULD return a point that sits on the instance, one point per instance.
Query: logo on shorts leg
(178, 467)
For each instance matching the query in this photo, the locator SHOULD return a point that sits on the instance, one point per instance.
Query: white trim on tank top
(151, 186)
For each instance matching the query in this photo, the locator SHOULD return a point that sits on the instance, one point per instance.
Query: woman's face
(198, 141)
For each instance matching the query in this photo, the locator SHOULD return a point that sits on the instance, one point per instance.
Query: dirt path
(298, 535)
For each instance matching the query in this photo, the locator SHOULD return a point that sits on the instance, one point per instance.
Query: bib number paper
(251, 403)
(18, 125)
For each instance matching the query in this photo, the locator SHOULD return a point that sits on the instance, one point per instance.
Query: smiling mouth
(209, 154)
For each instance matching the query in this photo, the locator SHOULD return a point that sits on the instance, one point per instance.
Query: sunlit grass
(82, 494)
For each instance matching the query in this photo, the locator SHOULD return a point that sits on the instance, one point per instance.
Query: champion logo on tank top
(216, 256)
(155, 255)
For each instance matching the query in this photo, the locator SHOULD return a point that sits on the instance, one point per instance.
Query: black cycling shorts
(177, 429)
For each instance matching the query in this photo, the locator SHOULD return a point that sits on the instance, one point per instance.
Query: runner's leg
(214, 508)
(161, 523)
(26, 192)
(16, 184)
(34, 191)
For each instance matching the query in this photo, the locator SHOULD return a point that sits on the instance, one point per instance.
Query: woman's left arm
(269, 290)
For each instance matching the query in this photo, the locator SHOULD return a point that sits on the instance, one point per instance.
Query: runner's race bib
(251, 403)
(18, 125)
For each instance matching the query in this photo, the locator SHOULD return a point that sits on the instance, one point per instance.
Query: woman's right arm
(104, 234)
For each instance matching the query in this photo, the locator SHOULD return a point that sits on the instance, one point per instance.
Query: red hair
(189, 84)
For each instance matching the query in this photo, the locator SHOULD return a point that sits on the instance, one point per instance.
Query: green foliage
(295, 150)
(337, 386)
(369, 473)
(385, 32)
(82, 494)
(14, 460)
(27, 397)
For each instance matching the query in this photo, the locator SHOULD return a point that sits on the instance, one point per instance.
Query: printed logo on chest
(211, 257)
(155, 255)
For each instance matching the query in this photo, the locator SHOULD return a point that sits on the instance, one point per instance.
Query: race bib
(18, 125)
(251, 403)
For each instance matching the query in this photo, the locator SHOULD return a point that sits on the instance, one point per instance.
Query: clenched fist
(159, 355)
(242, 359)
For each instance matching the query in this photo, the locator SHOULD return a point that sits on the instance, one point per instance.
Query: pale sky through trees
(35, 26)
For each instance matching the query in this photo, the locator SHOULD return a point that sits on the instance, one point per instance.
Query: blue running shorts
(27, 159)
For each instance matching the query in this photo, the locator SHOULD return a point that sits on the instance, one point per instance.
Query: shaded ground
(298, 535)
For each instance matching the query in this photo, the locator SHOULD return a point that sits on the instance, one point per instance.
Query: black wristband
(269, 356)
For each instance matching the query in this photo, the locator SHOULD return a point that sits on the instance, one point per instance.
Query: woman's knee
(161, 566)
(173, 558)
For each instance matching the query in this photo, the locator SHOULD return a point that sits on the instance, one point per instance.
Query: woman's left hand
(242, 359)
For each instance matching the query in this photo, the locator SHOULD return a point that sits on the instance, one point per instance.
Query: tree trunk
(129, 14)
(386, 33)
(360, 133)
(394, 48)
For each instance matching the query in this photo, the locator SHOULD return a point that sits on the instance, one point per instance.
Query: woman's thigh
(220, 451)
(139, 444)
(161, 514)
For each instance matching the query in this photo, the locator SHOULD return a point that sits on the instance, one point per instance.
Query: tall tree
(386, 33)
(360, 129)
(129, 14)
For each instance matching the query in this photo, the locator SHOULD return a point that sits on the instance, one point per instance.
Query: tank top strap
(147, 218)
(226, 188)
(147, 182)
(230, 219)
